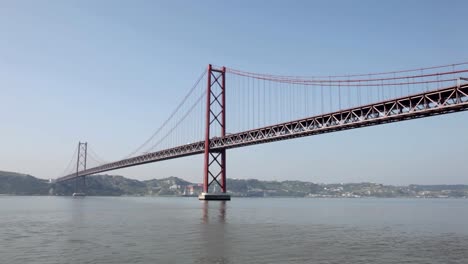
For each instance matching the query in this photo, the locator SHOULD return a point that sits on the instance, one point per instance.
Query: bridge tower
(80, 182)
(215, 160)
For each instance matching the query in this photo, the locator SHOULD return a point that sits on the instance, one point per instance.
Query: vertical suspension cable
(339, 95)
(306, 98)
(281, 102)
(348, 88)
(330, 93)
(408, 85)
(359, 93)
(315, 101)
(289, 101)
(264, 104)
(252, 98)
(246, 121)
(421, 79)
(453, 70)
(258, 103)
(372, 93)
(321, 98)
(382, 92)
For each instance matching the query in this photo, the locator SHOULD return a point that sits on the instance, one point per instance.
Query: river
(262, 230)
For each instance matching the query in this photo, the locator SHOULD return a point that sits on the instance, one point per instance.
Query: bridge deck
(437, 102)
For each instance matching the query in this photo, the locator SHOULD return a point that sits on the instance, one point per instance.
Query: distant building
(174, 187)
(193, 189)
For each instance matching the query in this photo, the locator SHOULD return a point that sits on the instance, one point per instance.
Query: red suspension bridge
(262, 108)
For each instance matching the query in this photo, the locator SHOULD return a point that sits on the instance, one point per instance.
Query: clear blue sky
(109, 72)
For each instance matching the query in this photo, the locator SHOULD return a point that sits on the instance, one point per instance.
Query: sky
(110, 72)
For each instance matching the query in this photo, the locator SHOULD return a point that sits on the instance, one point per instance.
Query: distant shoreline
(16, 184)
(245, 197)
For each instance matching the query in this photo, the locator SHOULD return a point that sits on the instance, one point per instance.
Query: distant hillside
(111, 185)
(21, 184)
(252, 187)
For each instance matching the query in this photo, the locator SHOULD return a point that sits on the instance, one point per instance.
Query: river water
(262, 230)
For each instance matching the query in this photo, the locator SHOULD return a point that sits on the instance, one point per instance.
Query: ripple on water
(173, 230)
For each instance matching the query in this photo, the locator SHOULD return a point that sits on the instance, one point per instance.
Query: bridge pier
(80, 186)
(214, 196)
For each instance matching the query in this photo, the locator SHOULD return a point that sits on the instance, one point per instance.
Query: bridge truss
(425, 104)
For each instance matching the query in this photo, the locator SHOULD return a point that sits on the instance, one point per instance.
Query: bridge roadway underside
(436, 102)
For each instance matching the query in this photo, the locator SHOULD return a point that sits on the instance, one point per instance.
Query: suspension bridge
(228, 108)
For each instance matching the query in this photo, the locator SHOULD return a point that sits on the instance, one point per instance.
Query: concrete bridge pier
(214, 196)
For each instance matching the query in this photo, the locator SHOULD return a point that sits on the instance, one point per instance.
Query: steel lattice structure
(80, 180)
(444, 101)
(425, 104)
(215, 158)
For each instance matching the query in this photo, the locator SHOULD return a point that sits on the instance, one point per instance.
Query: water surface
(265, 230)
